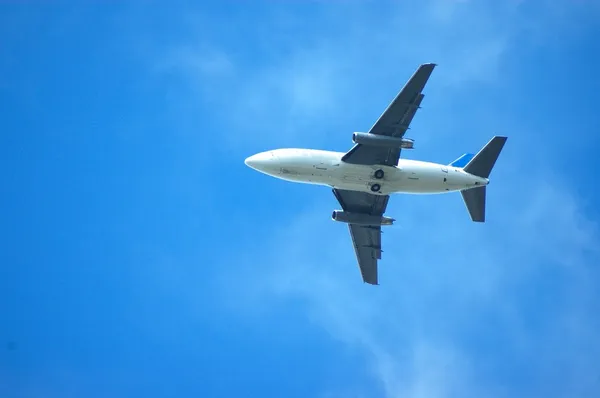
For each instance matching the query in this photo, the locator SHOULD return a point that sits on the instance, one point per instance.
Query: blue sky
(141, 257)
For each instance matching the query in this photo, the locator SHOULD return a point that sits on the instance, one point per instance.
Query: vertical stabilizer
(462, 161)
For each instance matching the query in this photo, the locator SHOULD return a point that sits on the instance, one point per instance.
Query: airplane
(363, 178)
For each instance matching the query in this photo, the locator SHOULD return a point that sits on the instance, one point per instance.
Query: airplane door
(445, 174)
(321, 166)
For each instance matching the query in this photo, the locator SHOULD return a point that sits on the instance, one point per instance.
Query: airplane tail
(474, 199)
(462, 161)
(480, 165)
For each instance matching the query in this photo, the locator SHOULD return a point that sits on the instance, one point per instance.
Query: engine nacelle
(361, 219)
(383, 140)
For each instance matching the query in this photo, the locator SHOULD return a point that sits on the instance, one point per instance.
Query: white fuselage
(320, 167)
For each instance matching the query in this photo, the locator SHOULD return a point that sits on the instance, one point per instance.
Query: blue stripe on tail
(462, 161)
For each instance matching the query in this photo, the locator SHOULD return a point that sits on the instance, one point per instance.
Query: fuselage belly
(326, 168)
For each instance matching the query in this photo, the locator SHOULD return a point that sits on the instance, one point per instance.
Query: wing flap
(367, 246)
(365, 239)
(361, 202)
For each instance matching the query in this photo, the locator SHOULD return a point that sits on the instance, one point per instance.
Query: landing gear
(375, 187)
(379, 174)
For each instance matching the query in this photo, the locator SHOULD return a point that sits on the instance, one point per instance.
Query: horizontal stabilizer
(475, 201)
(462, 161)
(483, 163)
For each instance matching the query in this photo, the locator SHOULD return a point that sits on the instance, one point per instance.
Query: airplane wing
(394, 122)
(366, 239)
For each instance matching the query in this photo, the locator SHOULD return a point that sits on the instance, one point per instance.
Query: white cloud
(282, 98)
(436, 289)
(445, 280)
(297, 77)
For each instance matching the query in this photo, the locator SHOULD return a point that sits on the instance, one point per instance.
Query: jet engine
(383, 140)
(360, 219)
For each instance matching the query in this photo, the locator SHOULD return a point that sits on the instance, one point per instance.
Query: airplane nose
(260, 161)
(250, 161)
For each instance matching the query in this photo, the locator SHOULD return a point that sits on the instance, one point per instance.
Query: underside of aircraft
(363, 178)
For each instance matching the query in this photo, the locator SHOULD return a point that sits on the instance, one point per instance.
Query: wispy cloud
(290, 86)
(463, 309)
(455, 311)
(299, 83)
